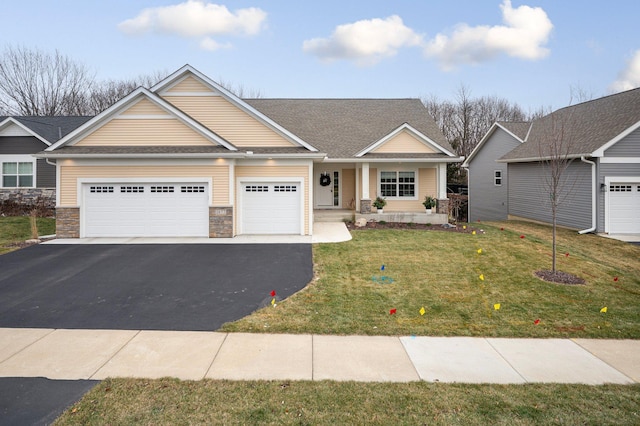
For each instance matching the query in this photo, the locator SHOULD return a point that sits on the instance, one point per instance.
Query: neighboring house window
(497, 178)
(398, 184)
(17, 174)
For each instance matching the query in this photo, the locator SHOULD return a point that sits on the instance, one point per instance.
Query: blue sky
(528, 51)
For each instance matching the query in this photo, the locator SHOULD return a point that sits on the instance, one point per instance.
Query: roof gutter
(244, 155)
(593, 197)
(534, 159)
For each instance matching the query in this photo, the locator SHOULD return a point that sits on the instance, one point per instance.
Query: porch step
(332, 215)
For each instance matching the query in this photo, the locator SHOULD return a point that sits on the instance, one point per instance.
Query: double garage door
(182, 209)
(624, 208)
(146, 210)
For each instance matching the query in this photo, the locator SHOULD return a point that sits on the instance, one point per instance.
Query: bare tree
(239, 89)
(33, 82)
(104, 94)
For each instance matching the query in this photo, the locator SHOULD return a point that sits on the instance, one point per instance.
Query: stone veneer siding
(365, 206)
(30, 196)
(220, 222)
(443, 206)
(68, 222)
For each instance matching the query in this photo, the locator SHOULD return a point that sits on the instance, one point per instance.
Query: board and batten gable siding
(611, 170)
(404, 142)
(629, 146)
(427, 185)
(529, 194)
(486, 200)
(70, 173)
(26, 145)
(229, 121)
(276, 171)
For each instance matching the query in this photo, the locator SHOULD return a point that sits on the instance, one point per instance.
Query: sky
(530, 52)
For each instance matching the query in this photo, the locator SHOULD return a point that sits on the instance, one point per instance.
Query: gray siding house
(600, 190)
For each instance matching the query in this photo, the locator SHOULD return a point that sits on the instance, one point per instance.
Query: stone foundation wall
(220, 222)
(443, 207)
(68, 222)
(365, 206)
(30, 196)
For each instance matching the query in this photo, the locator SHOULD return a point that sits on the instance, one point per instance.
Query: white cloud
(210, 44)
(526, 31)
(366, 42)
(629, 77)
(196, 18)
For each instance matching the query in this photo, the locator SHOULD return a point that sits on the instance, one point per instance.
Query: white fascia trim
(130, 162)
(405, 126)
(140, 156)
(275, 179)
(600, 151)
(158, 179)
(128, 101)
(182, 73)
(394, 160)
(11, 120)
(536, 159)
(620, 160)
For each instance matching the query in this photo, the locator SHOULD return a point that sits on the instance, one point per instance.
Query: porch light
(603, 187)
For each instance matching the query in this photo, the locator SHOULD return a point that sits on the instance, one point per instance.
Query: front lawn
(459, 279)
(14, 230)
(169, 401)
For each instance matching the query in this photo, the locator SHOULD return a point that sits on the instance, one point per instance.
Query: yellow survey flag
(479, 251)
(464, 226)
(481, 277)
(496, 306)
(473, 232)
(273, 301)
(422, 311)
(603, 310)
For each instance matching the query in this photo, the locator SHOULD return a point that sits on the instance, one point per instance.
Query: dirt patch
(559, 277)
(416, 226)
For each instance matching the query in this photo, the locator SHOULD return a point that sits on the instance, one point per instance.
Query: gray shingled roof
(50, 128)
(583, 127)
(343, 127)
(518, 128)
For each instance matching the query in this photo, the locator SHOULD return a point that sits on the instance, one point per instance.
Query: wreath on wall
(325, 179)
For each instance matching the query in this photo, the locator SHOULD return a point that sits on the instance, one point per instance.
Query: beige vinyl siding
(190, 84)
(145, 107)
(426, 186)
(228, 121)
(404, 142)
(144, 132)
(348, 188)
(69, 175)
(277, 171)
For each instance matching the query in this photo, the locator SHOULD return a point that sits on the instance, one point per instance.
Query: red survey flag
(392, 311)
(536, 322)
(273, 293)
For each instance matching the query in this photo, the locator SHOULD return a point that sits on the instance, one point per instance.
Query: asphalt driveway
(146, 287)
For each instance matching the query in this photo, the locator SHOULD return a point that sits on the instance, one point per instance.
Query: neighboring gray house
(20, 173)
(601, 188)
(488, 183)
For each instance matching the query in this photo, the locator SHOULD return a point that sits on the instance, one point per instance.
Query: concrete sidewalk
(98, 354)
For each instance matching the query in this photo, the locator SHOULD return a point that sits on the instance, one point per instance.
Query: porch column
(442, 181)
(365, 202)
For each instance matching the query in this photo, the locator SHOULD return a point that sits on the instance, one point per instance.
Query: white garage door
(271, 208)
(146, 210)
(624, 208)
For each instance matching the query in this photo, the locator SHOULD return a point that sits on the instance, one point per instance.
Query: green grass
(15, 230)
(440, 272)
(170, 401)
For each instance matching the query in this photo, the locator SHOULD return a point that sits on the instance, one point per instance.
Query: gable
(188, 85)
(628, 146)
(404, 142)
(145, 108)
(12, 129)
(227, 120)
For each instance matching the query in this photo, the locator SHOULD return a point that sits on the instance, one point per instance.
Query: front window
(398, 184)
(16, 174)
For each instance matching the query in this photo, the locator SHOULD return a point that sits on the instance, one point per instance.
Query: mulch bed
(559, 277)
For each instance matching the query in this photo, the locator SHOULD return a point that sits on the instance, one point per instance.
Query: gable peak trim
(12, 121)
(405, 127)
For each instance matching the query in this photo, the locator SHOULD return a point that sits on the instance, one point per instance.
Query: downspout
(593, 196)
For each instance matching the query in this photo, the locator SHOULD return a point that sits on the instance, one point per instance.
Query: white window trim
(396, 170)
(19, 158)
(495, 177)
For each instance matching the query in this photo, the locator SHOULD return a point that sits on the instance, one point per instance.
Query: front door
(327, 189)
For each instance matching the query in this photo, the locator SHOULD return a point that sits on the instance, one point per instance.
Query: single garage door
(146, 210)
(271, 208)
(624, 208)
